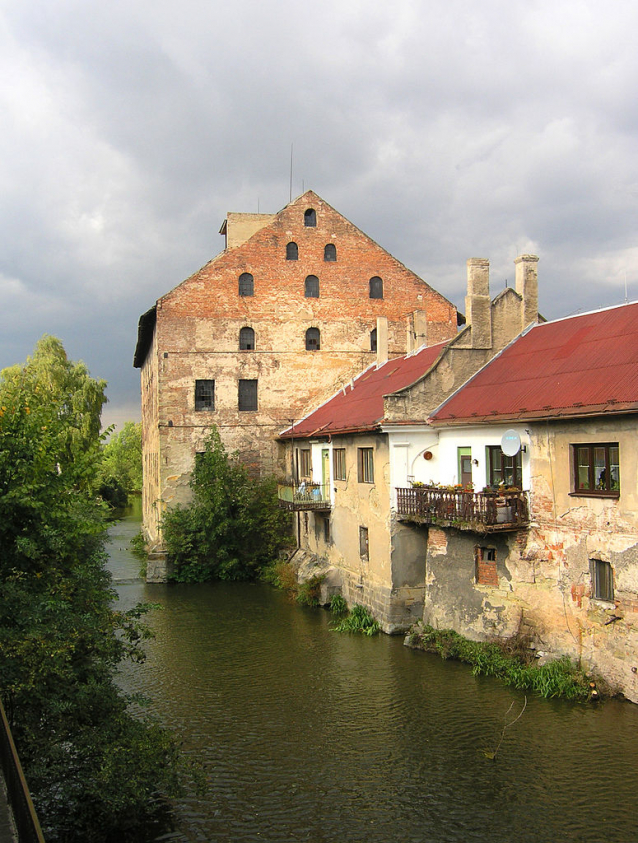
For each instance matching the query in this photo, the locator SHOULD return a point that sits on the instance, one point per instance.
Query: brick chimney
(527, 287)
(478, 306)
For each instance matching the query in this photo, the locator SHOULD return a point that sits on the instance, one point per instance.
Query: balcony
(480, 512)
(297, 497)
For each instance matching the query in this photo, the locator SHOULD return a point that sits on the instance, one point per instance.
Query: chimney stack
(527, 287)
(478, 306)
(382, 340)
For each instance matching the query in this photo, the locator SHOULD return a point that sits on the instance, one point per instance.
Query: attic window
(376, 287)
(292, 252)
(313, 339)
(246, 339)
(330, 252)
(310, 218)
(311, 287)
(246, 284)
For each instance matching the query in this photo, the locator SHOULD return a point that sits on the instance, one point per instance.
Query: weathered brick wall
(198, 325)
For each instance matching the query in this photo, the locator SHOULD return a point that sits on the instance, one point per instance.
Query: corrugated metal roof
(576, 366)
(359, 406)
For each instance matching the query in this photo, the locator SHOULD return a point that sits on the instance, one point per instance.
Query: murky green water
(309, 735)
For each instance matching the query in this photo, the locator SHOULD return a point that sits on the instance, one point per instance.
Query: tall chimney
(478, 307)
(382, 340)
(527, 287)
(420, 324)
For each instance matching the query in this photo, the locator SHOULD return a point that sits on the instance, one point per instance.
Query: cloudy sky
(445, 129)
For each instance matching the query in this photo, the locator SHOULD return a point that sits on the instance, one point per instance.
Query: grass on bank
(510, 661)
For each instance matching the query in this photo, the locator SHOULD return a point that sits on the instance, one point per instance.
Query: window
(602, 580)
(292, 252)
(304, 462)
(246, 284)
(339, 463)
(310, 218)
(246, 339)
(311, 287)
(326, 530)
(364, 546)
(485, 566)
(597, 469)
(330, 252)
(365, 463)
(313, 339)
(248, 395)
(376, 287)
(204, 395)
(503, 469)
(373, 339)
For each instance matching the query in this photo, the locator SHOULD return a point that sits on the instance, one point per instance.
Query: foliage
(121, 465)
(138, 546)
(308, 592)
(232, 529)
(358, 619)
(338, 605)
(95, 772)
(556, 678)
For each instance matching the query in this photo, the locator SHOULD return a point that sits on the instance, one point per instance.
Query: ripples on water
(310, 735)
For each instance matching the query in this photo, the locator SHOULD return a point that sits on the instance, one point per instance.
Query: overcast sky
(444, 129)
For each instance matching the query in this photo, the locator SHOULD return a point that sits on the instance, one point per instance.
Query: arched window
(311, 287)
(330, 252)
(373, 339)
(292, 252)
(376, 287)
(246, 284)
(246, 339)
(313, 339)
(310, 218)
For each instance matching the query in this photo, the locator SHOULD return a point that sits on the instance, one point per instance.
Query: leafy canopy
(232, 529)
(96, 773)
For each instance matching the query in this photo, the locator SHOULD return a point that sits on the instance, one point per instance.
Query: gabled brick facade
(193, 335)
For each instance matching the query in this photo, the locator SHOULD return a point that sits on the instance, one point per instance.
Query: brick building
(296, 305)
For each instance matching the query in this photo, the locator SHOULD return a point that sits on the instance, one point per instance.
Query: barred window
(365, 463)
(204, 395)
(339, 463)
(311, 287)
(247, 395)
(246, 284)
(313, 339)
(246, 339)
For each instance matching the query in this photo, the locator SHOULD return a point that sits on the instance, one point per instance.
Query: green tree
(121, 466)
(232, 529)
(96, 772)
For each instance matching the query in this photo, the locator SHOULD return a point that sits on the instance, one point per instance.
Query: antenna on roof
(290, 173)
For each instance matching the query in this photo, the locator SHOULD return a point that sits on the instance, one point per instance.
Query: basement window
(246, 284)
(310, 218)
(204, 395)
(292, 252)
(247, 399)
(313, 339)
(602, 576)
(330, 252)
(311, 287)
(376, 287)
(246, 339)
(485, 566)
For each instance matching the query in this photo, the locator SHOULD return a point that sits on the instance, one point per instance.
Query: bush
(232, 529)
(358, 619)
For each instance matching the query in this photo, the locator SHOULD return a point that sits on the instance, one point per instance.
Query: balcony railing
(481, 512)
(304, 496)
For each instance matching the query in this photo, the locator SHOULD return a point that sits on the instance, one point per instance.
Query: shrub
(358, 619)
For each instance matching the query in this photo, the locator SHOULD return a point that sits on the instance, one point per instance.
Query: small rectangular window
(603, 580)
(204, 395)
(596, 469)
(326, 530)
(248, 395)
(339, 463)
(304, 462)
(485, 566)
(365, 464)
(364, 546)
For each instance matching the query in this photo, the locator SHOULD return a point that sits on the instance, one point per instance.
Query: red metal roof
(577, 366)
(360, 406)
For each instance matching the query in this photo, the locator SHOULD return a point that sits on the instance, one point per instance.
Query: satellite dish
(510, 443)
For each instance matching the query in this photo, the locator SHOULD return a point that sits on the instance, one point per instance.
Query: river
(305, 734)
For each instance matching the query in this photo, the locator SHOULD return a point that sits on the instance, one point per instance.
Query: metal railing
(304, 496)
(24, 814)
(477, 511)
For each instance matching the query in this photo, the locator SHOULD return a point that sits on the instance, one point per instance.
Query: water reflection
(310, 735)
